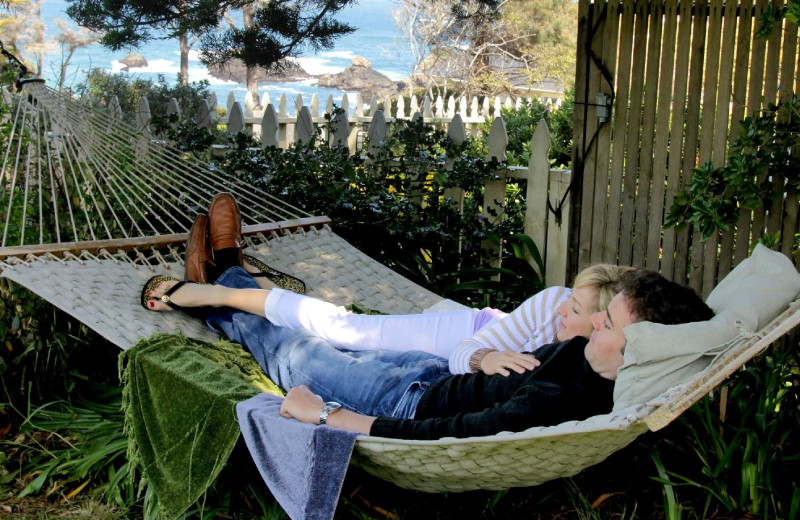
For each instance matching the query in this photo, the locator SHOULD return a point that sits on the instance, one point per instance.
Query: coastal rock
(132, 61)
(361, 77)
(236, 71)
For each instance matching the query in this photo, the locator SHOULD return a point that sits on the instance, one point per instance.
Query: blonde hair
(604, 278)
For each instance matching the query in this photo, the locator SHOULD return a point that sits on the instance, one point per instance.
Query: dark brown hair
(652, 297)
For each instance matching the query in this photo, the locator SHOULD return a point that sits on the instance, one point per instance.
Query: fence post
(269, 127)
(283, 134)
(304, 128)
(143, 122)
(457, 133)
(173, 108)
(235, 119)
(377, 133)
(340, 129)
(203, 117)
(548, 235)
(113, 107)
(495, 189)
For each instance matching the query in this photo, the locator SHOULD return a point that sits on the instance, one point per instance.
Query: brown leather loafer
(224, 222)
(198, 251)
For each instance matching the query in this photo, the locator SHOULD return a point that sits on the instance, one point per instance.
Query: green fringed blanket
(179, 401)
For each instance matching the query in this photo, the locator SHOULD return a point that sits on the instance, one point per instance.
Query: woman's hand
(302, 404)
(502, 363)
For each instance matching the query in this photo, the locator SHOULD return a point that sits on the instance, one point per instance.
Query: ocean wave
(317, 66)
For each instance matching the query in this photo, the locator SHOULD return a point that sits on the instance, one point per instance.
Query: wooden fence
(541, 182)
(681, 76)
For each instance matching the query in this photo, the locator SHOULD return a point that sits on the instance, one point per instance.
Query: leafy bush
(521, 124)
(761, 164)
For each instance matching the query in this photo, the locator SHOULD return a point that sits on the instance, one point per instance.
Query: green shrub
(521, 124)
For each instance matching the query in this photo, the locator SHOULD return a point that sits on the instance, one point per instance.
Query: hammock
(94, 206)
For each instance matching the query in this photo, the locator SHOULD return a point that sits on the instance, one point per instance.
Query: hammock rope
(78, 175)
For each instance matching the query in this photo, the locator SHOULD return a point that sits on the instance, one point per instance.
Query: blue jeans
(370, 382)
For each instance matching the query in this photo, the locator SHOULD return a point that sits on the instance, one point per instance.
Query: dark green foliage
(279, 30)
(761, 164)
(739, 453)
(521, 124)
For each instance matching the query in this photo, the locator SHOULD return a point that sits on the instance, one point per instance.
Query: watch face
(327, 409)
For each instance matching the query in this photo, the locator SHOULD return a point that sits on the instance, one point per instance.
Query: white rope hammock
(93, 206)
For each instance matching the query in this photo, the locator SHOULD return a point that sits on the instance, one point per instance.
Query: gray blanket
(303, 465)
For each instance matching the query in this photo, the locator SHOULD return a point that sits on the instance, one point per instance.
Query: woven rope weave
(104, 293)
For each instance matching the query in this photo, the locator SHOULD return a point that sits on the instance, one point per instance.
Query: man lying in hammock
(411, 394)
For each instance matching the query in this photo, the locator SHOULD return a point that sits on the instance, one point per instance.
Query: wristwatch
(327, 409)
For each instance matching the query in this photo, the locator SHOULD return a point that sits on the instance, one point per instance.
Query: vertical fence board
(730, 241)
(643, 199)
(620, 122)
(721, 122)
(661, 137)
(588, 151)
(633, 141)
(577, 249)
(679, 90)
(692, 124)
(600, 251)
(750, 221)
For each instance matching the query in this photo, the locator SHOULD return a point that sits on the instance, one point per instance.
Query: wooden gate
(680, 75)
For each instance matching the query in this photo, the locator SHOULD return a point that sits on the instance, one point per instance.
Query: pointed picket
(269, 127)
(340, 129)
(203, 117)
(377, 133)
(235, 119)
(304, 129)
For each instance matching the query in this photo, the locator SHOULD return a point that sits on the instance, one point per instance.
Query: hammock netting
(93, 206)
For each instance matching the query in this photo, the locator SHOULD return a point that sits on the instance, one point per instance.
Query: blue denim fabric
(371, 382)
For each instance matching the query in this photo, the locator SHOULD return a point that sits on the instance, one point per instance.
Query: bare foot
(189, 295)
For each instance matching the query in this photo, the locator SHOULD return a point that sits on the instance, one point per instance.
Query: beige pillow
(658, 357)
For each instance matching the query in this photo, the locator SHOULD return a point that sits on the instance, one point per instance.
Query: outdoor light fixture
(603, 106)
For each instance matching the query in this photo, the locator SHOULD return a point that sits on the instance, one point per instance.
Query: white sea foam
(345, 55)
(160, 66)
(317, 66)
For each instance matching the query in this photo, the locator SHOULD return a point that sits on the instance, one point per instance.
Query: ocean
(376, 38)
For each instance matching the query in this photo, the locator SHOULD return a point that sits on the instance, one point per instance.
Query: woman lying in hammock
(471, 339)
(411, 394)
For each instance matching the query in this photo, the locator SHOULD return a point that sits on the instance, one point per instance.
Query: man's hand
(305, 406)
(302, 404)
(497, 362)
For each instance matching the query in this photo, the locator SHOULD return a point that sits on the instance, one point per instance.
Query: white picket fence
(277, 128)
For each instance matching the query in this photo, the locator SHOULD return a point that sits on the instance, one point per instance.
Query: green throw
(179, 401)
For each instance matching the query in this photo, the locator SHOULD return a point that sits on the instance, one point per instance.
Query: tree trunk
(252, 82)
(184, 41)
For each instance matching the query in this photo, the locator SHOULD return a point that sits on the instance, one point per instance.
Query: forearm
(351, 421)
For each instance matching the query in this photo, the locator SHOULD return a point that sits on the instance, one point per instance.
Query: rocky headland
(358, 77)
